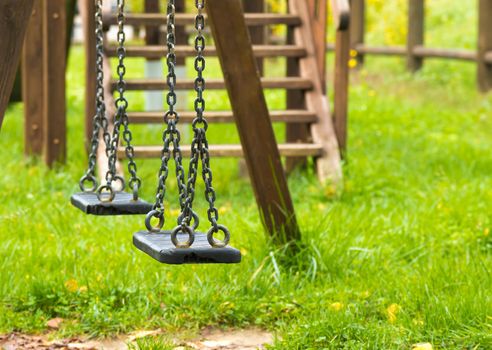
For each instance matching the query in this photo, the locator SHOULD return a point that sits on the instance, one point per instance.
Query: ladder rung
(287, 150)
(290, 83)
(157, 52)
(156, 19)
(287, 116)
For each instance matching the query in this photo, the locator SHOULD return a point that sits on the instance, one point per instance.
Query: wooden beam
(32, 82)
(184, 19)
(257, 33)
(358, 27)
(298, 132)
(329, 168)
(318, 22)
(415, 36)
(87, 10)
(14, 19)
(341, 88)
(484, 69)
(54, 63)
(252, 119)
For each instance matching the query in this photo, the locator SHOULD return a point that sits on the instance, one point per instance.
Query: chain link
(121, 117)
(171, 135)
(100, 120)
(199, 145)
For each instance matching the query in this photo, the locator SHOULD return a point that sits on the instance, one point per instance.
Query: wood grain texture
(318, 23)
(32, 80)
(252, 119)
(54, 63)
(256, 33)
(329, 168)
(415, 36)
(14, 17)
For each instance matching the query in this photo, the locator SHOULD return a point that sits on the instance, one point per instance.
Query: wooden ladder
(309, 126)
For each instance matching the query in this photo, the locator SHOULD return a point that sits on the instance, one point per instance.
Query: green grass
(412, 228)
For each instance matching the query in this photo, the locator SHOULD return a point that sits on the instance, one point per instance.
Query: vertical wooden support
(358, 25)
(252, 118)
(415, 35)
(87, 10)
(318, 15)
(54, 63)
(257, 33)
(14, 17)
(32, 82)
(341, 84)
(484, 69)
(295, 132)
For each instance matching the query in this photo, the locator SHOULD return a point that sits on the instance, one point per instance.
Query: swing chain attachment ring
(88, 179)
(185, 229)
(135, 184)
(105, 193)
(154, 214)
(216, 243)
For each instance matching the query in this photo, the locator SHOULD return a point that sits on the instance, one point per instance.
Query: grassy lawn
(402, 256)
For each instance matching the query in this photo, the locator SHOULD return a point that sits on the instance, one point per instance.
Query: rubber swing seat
(122, 204)
(159, 247)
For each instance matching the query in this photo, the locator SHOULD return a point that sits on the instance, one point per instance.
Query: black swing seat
(160, 247)
(122, 204)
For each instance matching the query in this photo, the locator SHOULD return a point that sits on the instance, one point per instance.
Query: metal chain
(199, 146)
(171, 135)
(100, 121)
(121, 117)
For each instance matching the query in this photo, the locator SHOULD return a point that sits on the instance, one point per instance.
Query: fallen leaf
(422, 346)
(54, 323)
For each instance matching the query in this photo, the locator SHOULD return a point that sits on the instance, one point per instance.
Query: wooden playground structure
(311, 129)
(416, 51)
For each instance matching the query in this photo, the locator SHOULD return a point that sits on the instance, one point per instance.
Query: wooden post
(295, 132)
(54, 63)
(357, 29)
(14, 17)
(252, 118)
(318, 15)
(32, 82)
(341, 84)
(415, 33)
(257, 33)
(328, 166)
(484, 69)
(87, 10)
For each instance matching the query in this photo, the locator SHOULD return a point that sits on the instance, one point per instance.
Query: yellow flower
(353, 53)
(486, 232)
(422, 346)
(175, 212)
(223, 210)
(72, 285)
(337, 306)
(83, 289)
(352, 63)
(371, 93)
(392, 311)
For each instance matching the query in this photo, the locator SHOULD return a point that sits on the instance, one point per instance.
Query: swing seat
(122, 204)
(160, 247)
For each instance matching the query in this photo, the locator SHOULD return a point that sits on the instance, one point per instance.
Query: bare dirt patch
(209, 339)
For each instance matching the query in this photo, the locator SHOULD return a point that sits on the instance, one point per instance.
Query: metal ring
(194, 216)
(105, 199)
(189, 231)
(216, 243)
(122, 182)
(90, 179)
(135, 192)
(154, 214)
